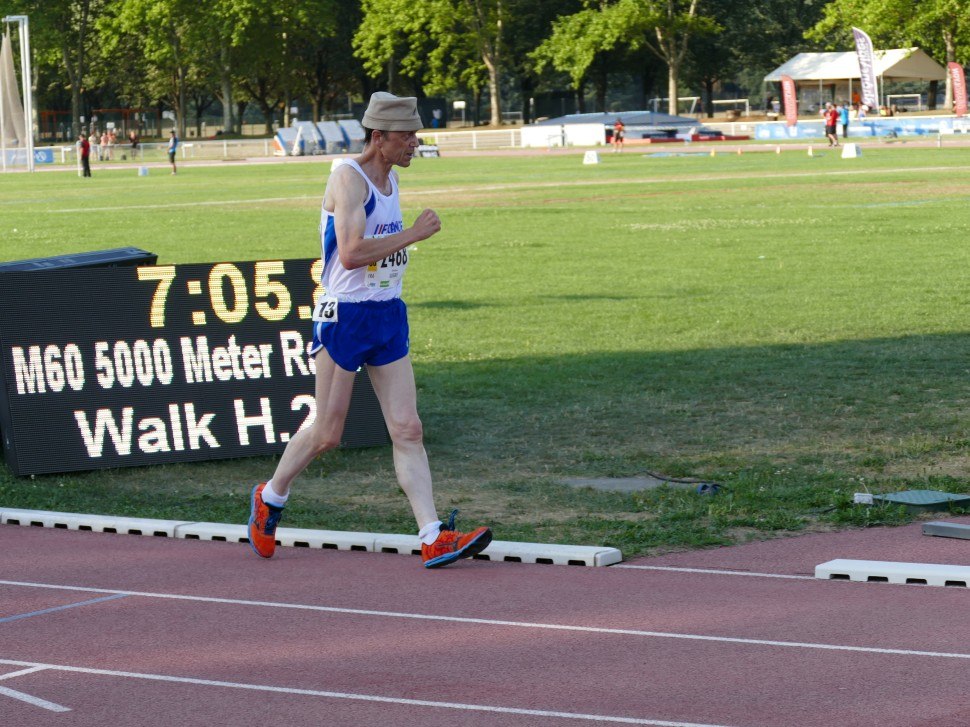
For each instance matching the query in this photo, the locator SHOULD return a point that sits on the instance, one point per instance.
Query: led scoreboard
(122, 366)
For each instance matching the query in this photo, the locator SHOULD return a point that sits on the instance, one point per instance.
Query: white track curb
(498, 550)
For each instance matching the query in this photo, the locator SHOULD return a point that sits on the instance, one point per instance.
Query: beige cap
(387, 112)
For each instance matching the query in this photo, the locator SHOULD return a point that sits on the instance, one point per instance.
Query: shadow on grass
(892, 406)
(789, 429)
(454, 305)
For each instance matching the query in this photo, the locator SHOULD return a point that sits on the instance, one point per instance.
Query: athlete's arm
(348, 193)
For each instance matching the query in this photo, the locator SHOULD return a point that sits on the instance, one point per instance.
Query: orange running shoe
(263, 520)
(452, 545)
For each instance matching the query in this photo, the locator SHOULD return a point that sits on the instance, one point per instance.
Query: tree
(662, 26)
(756, 37)
(321, 50)
(445, 43)
(576, 42)
(529, 22)
(665, 27)
(170, 34)
(61, 35)
(230, 22)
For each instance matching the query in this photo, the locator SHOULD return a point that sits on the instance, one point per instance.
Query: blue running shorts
(373, 332)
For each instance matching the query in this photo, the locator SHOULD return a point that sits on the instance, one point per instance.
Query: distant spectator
(861, 113)
(84, 151)
(619, 131)
(844, 119)
(436, 116)
(173, 143)
(105, 149)
(831, 117)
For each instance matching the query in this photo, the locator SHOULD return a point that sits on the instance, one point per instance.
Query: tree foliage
(319, 54)
(665, 28)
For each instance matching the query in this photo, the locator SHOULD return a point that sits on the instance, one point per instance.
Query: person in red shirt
(831, 115)
(619, 130)
(84, 149)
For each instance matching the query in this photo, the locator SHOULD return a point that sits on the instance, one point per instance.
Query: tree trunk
(182, 105)
(709, 88)
(75, 110)
(931, 101)
(267, 116)
(672, 88)
(225, 83)
(526, 88)
(602, 83)
(491, 61)
(951, 56)
(240, 111)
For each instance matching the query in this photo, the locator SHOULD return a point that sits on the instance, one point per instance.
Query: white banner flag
(867, 68)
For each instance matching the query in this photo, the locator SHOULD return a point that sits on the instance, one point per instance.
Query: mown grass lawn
(792, 327)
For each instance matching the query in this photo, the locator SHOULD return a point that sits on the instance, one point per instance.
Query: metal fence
(474, 140)
(229, 149)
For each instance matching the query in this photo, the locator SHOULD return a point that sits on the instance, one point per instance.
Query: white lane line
(362, 697)
(36, 701)
(512, 186)
(511, 624)
(714, 571)
(175, 205)
(20, 673)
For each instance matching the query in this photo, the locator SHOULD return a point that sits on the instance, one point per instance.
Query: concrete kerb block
(498, 550)
(503, 550)
(93, 523)
(224, 532)
(514, 552)
(328, 539)
(403, 544)
(874, 571)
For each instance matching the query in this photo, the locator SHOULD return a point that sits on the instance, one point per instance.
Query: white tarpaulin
(12, 126)
(899, 64)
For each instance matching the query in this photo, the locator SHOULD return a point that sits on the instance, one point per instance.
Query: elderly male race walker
(362, 321)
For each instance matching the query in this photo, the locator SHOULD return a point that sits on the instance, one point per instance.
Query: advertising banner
(790, 100)
(867, 68)
(959, 82)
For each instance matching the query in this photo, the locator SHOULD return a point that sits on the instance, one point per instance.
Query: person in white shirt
(362, 321)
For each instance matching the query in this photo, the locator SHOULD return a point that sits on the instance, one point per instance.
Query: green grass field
(792, 327)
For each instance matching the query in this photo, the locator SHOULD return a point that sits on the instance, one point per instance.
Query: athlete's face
(398, 147)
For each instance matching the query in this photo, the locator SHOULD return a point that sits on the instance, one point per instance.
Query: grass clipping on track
(793, 328)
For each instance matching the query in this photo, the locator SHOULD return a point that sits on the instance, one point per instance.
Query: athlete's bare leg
(334, 387)
(395, 389)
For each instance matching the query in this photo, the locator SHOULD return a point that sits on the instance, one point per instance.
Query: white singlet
(382, 280)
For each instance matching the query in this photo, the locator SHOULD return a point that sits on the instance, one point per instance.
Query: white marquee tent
(817, 70)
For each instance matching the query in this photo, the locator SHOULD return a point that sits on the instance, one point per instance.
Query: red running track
(102, 629)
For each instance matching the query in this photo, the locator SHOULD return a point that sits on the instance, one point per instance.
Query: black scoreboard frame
(133, 365)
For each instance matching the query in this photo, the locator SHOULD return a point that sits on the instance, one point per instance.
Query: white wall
(564, 135)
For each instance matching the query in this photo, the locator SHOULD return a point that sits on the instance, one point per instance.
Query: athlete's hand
(426, 225)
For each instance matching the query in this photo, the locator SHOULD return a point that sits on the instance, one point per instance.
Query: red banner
(790, 100)
(959, 82)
